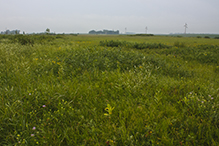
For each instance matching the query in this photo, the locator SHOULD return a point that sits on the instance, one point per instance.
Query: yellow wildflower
(109, 109)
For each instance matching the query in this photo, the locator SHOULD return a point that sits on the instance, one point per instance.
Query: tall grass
(139, 46)
(68, 92)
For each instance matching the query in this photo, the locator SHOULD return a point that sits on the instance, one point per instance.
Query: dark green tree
(47, 31)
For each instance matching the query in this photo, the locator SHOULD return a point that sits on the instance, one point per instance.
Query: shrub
(139, 46)
(207, 37)
(142, 35)
(199, 37)
(3, 37)
(23, 39)
(110, 43)
(179, 36)
(217, 37)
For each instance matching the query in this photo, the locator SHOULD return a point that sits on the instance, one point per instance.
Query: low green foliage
(202, 53)
(23, 39)
(139, 46)
(111, 43)
(207, 37)
(91, 90)
(30, 39)
(179, 44)
(142, 35)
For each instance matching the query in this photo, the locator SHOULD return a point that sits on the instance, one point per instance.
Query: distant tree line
(104, 32)
(11, 32)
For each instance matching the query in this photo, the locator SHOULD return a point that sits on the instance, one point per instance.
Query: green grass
(108, 90)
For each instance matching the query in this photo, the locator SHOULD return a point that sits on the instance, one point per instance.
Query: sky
(81, 16)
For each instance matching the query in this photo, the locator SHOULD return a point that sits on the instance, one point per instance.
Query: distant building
(130, 33)
(92, 32)
(104, 32)
(11, 32)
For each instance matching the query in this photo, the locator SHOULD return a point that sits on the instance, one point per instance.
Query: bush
(207, 37)
(139, 46)
(217, 37)
(199, 37)
(179, 36)
(23, 39)
(111, 43)
(142, 35)
(3, 36)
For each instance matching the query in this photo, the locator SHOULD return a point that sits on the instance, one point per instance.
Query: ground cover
(108, 90)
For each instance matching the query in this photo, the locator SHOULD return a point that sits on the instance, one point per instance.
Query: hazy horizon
(69, 16)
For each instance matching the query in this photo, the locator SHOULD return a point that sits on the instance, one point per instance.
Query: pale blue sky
(71, 16)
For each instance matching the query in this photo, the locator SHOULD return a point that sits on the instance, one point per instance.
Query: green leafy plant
(109, 110)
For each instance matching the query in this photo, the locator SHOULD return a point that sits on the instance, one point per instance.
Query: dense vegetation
(108, 90)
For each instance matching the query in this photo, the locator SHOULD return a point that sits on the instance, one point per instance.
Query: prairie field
(109, 90)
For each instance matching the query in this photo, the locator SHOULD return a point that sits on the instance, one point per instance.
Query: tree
(47, 30)
(17, 31)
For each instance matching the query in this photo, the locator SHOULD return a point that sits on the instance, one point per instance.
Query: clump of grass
(207, 54)
(110, 43)
(179, 44)
(139, 46)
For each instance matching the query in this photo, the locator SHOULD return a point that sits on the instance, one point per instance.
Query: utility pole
(146, 29)
(185, 25)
